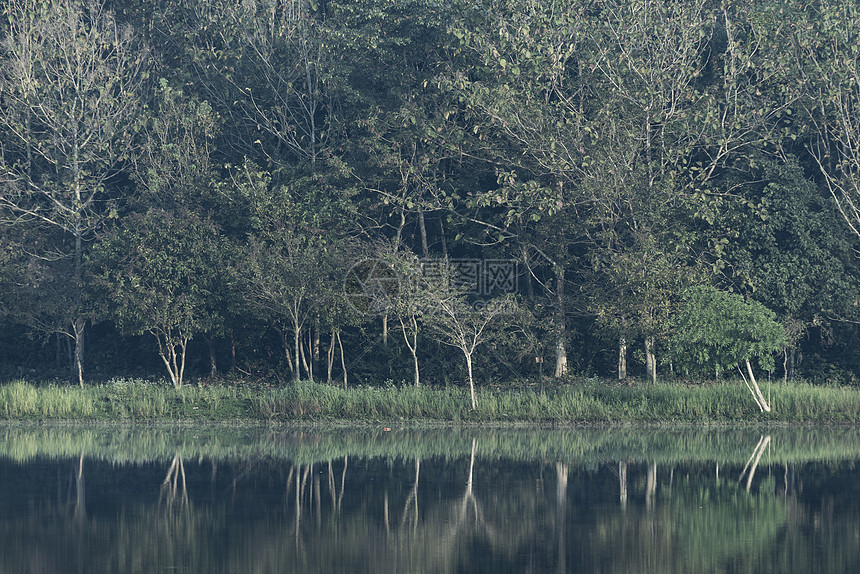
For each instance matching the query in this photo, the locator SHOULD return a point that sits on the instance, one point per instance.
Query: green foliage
(583, 401)
(716, 331)
(160, 272)
(240, 158)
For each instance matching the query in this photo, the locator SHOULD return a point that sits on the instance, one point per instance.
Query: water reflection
(622, 500)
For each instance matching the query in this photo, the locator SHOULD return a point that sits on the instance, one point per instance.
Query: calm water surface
(123, 499)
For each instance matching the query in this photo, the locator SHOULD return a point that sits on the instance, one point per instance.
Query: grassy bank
(579, 401)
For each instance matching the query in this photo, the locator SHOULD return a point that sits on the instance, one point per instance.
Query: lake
(248, 500)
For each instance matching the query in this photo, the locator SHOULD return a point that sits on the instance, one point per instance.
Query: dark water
(335, 500)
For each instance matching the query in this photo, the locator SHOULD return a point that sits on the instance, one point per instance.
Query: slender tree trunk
(790, 355)
(385, 329)
(757, 391)
(471, 380)
(288, 353)
(413, 344)
(561, 325)
(330, 358)
(425, 252)
(78, 328)
(342, 360)
(310, 354)
(305, 362)
(316, 344)
(622, 358)
(650, 360)
(296, 352)
(213, 365)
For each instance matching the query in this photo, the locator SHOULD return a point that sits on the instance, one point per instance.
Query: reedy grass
(576, 401)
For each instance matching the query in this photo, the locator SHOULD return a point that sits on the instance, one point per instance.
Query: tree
(824, 41)
(454, 320)
(272, 76)
(720, 331)
(296, 254)
(159, 272)
(774, 237)
(69, 81)
(528, 97)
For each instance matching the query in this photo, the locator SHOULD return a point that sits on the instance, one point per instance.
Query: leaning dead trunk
(755, 390)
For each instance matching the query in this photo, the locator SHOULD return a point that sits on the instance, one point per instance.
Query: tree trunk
(757, 391)
(561, 325)
(296, 352)
(78, 328)
(342, 359)
(173, 360)
(425, 252)
(622, 359)
(413, 344)
(790, 355)
(385, 329)
(305, 363)
(316, 344)
(330, 358)
(471, 380)
(650, 360)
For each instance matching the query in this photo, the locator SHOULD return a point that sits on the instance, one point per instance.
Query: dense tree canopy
(214, 174)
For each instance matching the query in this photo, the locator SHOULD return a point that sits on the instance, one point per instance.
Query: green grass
(577, 401)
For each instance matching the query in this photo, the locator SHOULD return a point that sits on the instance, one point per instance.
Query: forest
(427, 192)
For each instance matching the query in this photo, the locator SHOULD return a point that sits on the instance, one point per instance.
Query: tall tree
(824, 41)
(527, 97)
(69, 81)
(160, 275)
(266, 65)
(721, 331)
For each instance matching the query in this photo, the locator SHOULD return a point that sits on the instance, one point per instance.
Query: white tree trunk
(560, 358)
(342, 359)
(757, 391)
(561, 318)
(622, 358)
(471, 381)
(650, 360)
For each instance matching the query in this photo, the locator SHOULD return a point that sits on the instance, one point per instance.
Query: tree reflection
(428, 513)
